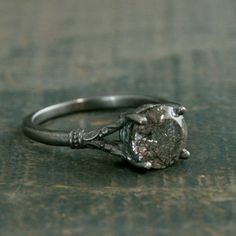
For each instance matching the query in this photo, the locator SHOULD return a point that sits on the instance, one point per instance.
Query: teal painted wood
(56, 50)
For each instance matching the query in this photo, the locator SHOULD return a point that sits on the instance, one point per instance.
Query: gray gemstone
(161, 140)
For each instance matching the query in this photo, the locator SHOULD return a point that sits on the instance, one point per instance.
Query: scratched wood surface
(55, 50)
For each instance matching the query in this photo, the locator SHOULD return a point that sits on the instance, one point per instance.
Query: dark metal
(79, 138)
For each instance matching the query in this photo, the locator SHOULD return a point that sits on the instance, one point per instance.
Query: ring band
(152, 136)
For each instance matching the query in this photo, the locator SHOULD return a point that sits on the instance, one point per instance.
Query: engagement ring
(152, 135)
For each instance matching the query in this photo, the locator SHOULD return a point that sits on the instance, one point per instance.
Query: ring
(152, 135)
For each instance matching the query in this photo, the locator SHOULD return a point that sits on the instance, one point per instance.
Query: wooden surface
(54, 50)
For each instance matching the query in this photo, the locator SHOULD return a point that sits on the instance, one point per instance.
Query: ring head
(159, 142)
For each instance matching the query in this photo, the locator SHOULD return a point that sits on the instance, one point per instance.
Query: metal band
(32, 128)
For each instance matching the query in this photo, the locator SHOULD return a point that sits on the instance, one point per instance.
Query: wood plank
(56, 50)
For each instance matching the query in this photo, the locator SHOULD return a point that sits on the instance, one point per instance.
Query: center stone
(161, 140)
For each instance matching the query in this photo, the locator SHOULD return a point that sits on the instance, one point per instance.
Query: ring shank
(31, 124)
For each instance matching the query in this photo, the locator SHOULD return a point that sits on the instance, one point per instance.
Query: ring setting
(155, 136)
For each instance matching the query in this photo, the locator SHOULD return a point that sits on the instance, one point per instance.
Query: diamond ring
(152, 135)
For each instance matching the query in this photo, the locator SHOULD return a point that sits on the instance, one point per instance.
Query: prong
(143, 165)
(185, 154)
(180, 110)
(137, 118)
(147, 165)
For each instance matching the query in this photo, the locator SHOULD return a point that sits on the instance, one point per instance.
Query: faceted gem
(161, 140)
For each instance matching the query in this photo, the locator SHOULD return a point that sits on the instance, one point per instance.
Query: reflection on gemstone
(161, 140)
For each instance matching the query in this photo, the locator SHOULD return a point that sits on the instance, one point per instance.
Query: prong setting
(148, 165)
(155, 136)
(137, 118)
(185, 154)
(178, 111)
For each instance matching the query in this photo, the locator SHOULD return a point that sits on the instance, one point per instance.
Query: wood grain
(54, 50)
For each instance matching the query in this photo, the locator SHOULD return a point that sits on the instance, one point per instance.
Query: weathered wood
(54, 50)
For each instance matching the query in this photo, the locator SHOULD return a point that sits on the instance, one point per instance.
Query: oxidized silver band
(152, 136)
